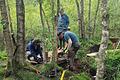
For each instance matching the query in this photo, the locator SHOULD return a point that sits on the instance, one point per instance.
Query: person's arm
(31, 48)
(66, 45)
(67, 21)
(39, 52)
(61, 43)
(69, 43)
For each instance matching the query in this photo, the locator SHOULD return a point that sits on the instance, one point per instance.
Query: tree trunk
(9, 17)
(104, 41)
(79, 19)
(82, 20)
(41, 15)
(7, 34)
(58, 7)
(89, 20)
(42, 21)
(94, 26)
(20, 11)
(54, 23)
(46, 20)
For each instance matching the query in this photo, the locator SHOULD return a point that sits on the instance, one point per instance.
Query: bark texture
(104, 41)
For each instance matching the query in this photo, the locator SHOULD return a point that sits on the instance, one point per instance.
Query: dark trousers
(72, 52)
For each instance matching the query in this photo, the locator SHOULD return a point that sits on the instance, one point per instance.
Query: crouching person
(34, 51)
(71, 45)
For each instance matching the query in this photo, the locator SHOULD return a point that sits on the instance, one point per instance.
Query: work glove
(65, 50)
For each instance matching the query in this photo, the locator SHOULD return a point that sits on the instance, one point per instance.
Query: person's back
(72, 36)
(71, 45)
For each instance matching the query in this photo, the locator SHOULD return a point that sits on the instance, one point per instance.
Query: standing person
(63, 23)
(34, 51)
(71, 45)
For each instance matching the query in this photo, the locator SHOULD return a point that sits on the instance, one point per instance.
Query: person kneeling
(34, 51)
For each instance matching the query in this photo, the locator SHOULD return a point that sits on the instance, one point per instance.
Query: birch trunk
(104, 41)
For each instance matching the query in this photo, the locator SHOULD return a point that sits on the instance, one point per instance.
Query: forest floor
(82, 71)
(47, 72)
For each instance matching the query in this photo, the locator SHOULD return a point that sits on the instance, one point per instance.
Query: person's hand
(60, 50)
(65, 50)
(38, 56)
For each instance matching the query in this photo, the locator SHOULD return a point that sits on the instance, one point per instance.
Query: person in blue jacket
(63, 24)
(63, 20)
(34, 51)
(71, 45)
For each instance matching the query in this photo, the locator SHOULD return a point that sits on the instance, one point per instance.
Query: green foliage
(112, 65)
(1, 72)
(49, 67)
(34, 28)
(3, 55)
(81, 76)
(26, 75)
(85, 45)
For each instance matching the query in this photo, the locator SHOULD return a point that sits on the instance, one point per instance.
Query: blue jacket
(63, 22)
(70, 35)
(34, 49)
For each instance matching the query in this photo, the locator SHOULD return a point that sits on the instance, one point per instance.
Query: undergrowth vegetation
(34, 29)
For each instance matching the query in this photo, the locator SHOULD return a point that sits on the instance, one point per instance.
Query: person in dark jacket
(71, 45)
(63, 24)
(34, 51)
(63, 20)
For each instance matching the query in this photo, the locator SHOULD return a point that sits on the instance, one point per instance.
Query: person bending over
(71, 45)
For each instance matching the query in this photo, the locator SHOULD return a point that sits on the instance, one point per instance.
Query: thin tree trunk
(104, 41)
(9, 17)
(54, 32)
(89, 20)
(94, 26)
(46, 20)
(7, 34)
(20, 11)
(79, 19)
(41, 15)
(82, 20)
(43, 25)
(58, 7)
